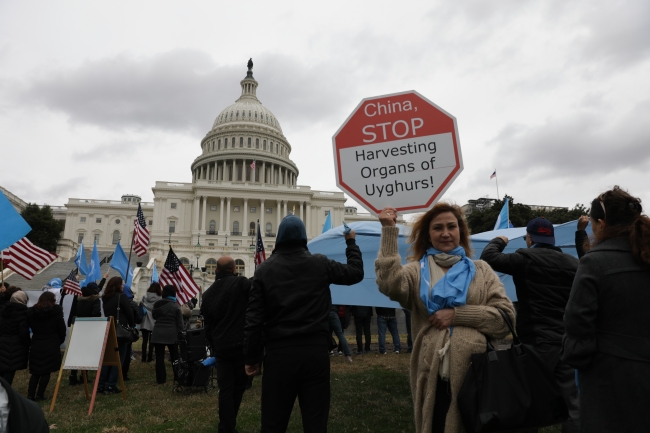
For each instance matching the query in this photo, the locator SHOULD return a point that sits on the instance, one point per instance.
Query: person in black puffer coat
(169, 322)
(14, 336)
(49, 331)
(86, 305)
(114, 297)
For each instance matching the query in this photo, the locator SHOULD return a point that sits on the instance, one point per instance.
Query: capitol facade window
(235, 227)
(82, 219)
(235, 208)
(116, 237)
(249, 142)
(173, 205)
(264, 145)
(98, 220)
(80, 237)
(269, 227)
(96, 238)
(172, 226)
(257, 143)
(269, 210)
(240, 267)
(253, 209)
(241, 141)
(117, 221)
(210, 266)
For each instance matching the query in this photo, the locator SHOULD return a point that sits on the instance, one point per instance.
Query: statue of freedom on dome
(250, 64)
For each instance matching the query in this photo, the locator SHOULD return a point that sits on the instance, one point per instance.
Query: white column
(215, 174)
(284, 203)
(301, 214)
(308, 225)
(195, 226)
(278, 217)
(245, 228)
(264, 172)
(262, 212)
(205, 207)
(281, 177)
(221, 211)
(243, 171)
(228, 229)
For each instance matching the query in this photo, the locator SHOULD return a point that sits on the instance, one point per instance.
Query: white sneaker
(349, 359)
(340, 353)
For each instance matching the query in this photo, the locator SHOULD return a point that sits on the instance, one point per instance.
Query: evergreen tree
(46, 231)
(483, 220)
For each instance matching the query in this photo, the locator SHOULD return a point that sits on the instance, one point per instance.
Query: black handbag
(125, 332)
(512, 389)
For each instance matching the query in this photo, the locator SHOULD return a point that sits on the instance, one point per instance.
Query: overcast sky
(98, 99)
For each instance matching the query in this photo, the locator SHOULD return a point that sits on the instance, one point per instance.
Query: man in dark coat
(14, 336)
(224, 312)
(288, 310)
(543, 276)
(24, 415)
(362, 318)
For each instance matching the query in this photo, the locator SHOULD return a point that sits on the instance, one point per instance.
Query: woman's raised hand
(388, 217)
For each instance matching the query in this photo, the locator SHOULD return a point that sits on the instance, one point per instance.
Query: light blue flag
(504, 217)
(80, 260)
(154, 273)
(328, 223)
(94, 269)
(120, 262)
(14, 226)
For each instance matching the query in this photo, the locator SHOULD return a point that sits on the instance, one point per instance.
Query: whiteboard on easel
(86, 345)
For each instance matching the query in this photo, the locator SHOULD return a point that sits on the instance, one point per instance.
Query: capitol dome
(244, 132)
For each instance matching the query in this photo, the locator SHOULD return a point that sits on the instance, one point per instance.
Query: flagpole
(2, 266)
(496, 176)
(128, 264)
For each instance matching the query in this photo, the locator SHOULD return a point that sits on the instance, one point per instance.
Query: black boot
(74, 380)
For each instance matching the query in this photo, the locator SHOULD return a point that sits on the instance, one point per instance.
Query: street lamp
(226, 239)
(197, 260)
(198, 240)
(170, 238)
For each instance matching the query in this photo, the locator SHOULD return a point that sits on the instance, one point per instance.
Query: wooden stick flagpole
(128, 264)
(496, 176)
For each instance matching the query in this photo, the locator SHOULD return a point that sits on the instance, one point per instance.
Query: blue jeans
(109, 375)
(335, 325)
(391, 323)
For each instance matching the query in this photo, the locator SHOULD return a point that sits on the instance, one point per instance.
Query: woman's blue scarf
(173, 298)
(451, 290)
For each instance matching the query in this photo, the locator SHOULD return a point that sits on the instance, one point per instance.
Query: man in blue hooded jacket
(288, 313)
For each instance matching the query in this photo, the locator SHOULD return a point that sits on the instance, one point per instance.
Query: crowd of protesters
(584, 317)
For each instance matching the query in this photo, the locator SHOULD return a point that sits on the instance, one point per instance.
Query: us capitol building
(216, 214)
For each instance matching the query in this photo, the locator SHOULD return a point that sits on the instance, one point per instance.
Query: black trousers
(232, 379)
(565, 378)
(441, 406)
(362, 324)
(8, 376)
(161, 372)
(146, 335)
(126, 364)
(290, 372)
(37, 385)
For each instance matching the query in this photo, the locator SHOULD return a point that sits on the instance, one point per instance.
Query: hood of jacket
(149, 299)
(13, 309)
(44, 313)
(165, 306)
(88, 298)
(291, 232)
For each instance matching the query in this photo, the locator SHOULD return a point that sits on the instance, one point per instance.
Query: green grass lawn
(370, 395)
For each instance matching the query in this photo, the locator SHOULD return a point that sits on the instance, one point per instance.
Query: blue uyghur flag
(80, 260)
(94, 269)
(503, 218)
(120, 263)
(328, 222)
(14, 227)
(154, 273)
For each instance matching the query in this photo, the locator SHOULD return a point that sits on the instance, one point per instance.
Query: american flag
(493, 175)
(253, 165)
(26, 259)
(175, 274)
(141, 234)
(71, 285)
(260, 254)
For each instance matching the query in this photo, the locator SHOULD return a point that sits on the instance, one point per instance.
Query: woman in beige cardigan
(453, 308)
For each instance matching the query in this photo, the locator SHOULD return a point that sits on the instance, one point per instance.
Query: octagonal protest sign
(398, 150)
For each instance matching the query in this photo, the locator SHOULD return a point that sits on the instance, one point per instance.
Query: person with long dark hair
(169, 322)
(48, 333)
(14, 336)
(453, 302)
(153, 295)
(607, 336)
(113, 298)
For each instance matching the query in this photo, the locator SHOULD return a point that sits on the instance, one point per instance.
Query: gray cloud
(181, 90)
(584, 143)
